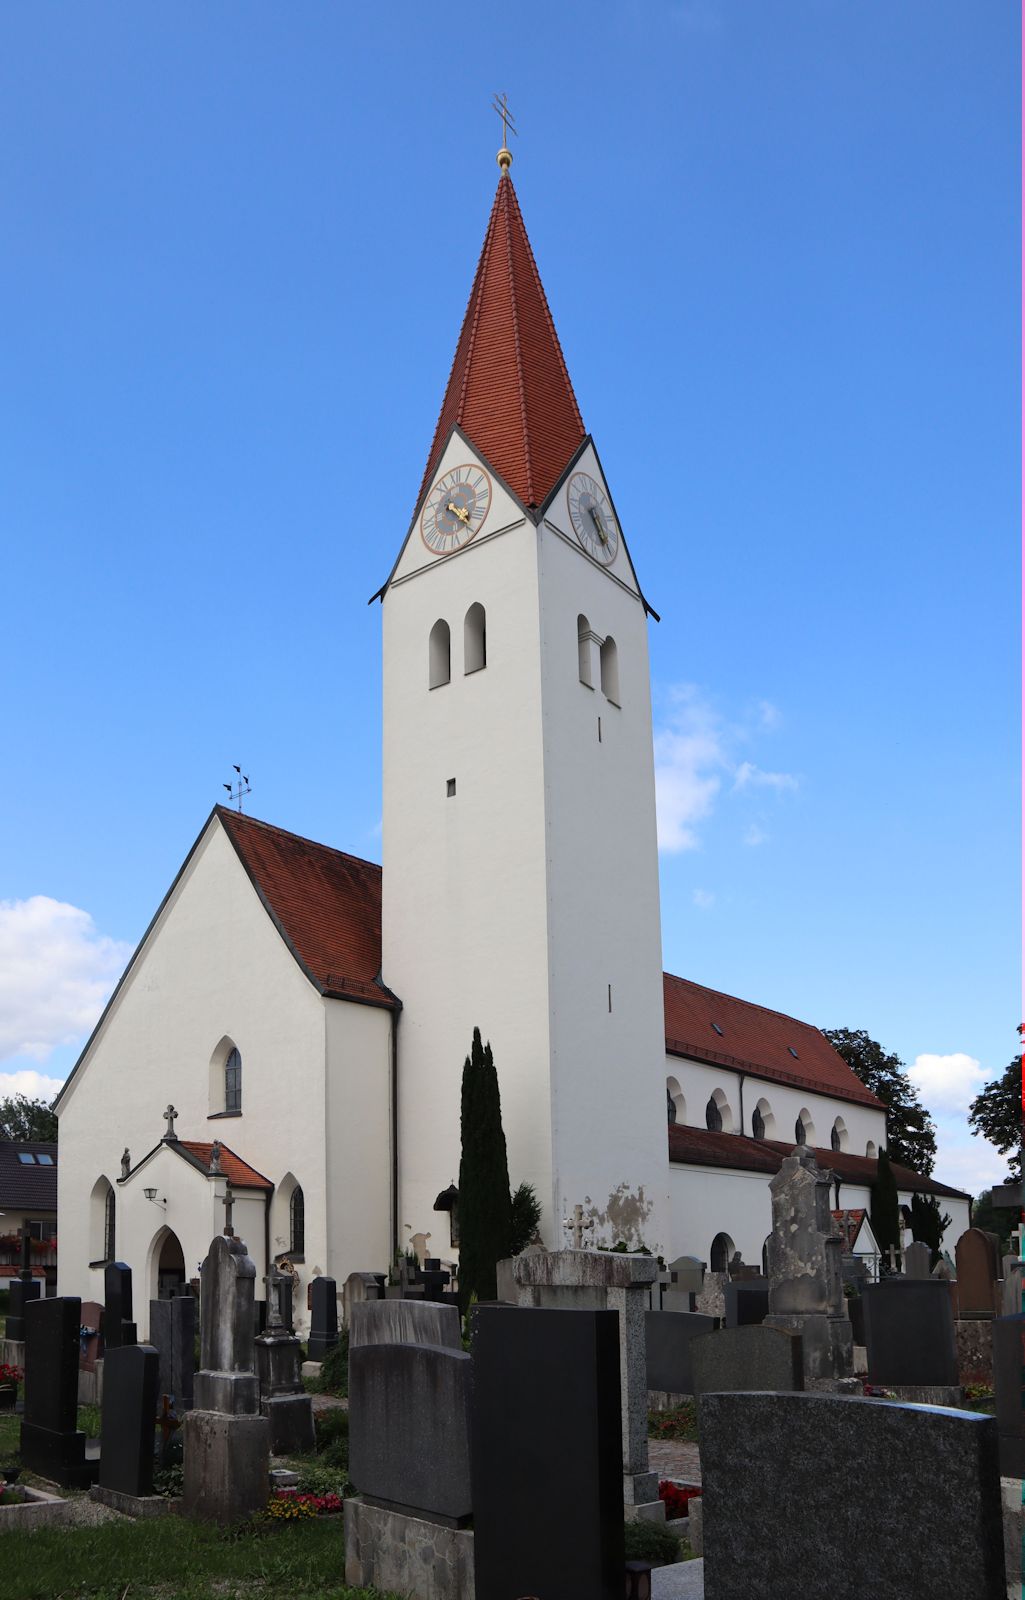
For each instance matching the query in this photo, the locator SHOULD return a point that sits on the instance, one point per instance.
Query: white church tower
(520, 862)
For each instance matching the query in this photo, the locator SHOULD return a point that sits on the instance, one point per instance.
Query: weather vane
(501, 105)
(236, 791)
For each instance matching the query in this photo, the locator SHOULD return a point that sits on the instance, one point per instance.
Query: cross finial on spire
(500, 104)
(169, 1117)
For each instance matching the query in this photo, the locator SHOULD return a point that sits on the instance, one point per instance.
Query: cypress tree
(928, 1223)
(485, 1219)
(884, 1212)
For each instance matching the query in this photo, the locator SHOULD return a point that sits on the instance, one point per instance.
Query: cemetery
(677, 1432)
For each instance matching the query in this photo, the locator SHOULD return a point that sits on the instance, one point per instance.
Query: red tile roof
(238, 1172)
(701, 1148)
(509, 389)
(327, 906)
(755, 1040)
(848, 1225)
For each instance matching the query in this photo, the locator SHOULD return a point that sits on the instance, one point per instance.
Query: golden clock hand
(458, 511)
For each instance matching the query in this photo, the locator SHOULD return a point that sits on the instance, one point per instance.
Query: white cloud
(769, 715)
(56, 972)
(689, 753)
(754, 835)
(33, 1085)
(947, 1083)
(965, 1162)
(704, 899)
(747, 774)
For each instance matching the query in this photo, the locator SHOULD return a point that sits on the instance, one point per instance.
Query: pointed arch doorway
(167, 1270)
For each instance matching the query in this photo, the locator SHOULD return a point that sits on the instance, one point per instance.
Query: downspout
(268, 1195)
(741, 1077)
(394, 1068)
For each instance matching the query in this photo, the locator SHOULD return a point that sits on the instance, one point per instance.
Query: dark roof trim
(560, 481)
(178, 1147)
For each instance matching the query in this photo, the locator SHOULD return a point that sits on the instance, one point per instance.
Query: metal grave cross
(892, 1255)
(577, 1227)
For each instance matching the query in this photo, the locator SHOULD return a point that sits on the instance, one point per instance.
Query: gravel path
(672, 1458)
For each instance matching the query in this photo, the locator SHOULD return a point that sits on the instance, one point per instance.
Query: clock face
(593, 520)
(456, 508)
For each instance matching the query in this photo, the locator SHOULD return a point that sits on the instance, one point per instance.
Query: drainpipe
(268, 1195)
(741, 1076)
(396, 1013)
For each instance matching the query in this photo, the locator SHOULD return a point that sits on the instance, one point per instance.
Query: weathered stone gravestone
(546, 1417)
(926, 1482)
(918, 1260)
(323, 1318)
(405, 1322)
(686, 1277)
(909, 1333)
(24, 1290)
(118, 1327)
(51, 1444)
(131, 1382)
(753, 1357)
(409, 1454)
(805, 1282)
(606, 1280)
(360, 1286)
(747, 1302)
(172, 1330)
(1009, 1385)
(976, 1256)
(226, 1440)
(711, 1301)
(283, 1400)
(667, 1341)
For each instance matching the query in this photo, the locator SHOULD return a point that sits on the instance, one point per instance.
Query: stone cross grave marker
(170, 1116)
(892, 1258)
(577, 1226)
(228, 1202)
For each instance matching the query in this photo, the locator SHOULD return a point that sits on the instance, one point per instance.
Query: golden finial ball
(504, 159)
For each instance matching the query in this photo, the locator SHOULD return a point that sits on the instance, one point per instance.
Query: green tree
(525, 1208)
(27, 1120)
(884, 1213)
(910, 1134)
(994, 1219)
(485, 1211)
(996, 1113)
(928, 1223)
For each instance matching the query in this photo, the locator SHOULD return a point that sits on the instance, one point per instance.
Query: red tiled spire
(509, 389)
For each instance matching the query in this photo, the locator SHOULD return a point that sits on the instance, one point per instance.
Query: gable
(556, 519)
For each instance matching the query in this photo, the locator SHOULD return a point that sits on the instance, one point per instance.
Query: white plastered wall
(698, 1080)
(357, 1121)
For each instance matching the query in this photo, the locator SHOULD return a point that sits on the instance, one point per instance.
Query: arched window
(439, 655)
(870, 1149)
(834, 1137)
(109, 1229)
(102, 1211)
(763, 1123)
(713, 1116)
(676, 1105)
(718, 1116)
(799, 1132)
(670, 1107)
(475, 641)
(609, 656)
(297, 1223)
(804, 1128)
(584, 638)
(757, 1124)
(233, 1081)
(721, 1253)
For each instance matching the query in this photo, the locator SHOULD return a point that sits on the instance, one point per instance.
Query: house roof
(326, 905)
(238, 1172)
(27, 1186)
(707, 1025)
(509, 389)
(699, 1147)
(849, 1224)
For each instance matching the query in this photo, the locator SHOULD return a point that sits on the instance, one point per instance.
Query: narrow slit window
(439, 654)
(450, 788)
(233, 1082)
(475, 640)
(609, 657)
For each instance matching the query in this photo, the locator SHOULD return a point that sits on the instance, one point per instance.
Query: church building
(295, 1019)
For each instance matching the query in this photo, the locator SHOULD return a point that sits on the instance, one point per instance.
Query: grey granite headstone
(172, 1329)
(909, 1332)
(747, 1302)
(687, 1274)
(404, 1322)
(830, 1495)
(130, 1382)
(283, 1400)
(667, 1341)
(51, 1444)
(547, 1455)
(805, 1280)
(1009, 1386)
(323, 1318)
(755, 1357)
(918, 1260)
(360, 1286)
(409, 1428)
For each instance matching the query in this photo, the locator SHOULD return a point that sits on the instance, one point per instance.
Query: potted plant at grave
(10, 1377)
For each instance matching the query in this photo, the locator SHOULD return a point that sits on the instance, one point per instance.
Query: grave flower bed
(10, 1377)
(679, 1423)
(677, 1498)
(289, 1505)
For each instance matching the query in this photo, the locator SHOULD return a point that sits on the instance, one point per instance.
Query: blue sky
(780, 241)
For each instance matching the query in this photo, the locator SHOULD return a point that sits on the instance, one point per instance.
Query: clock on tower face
(456, 509)
(592, 516)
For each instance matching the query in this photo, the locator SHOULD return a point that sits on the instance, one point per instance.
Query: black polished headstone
(118, 1327)
(131, 1377)
(667, 1337)
(909, 1332)
(51, 1444)
(172, 1329)
(1009, 1385)
(323, 1318)
(22, 1293)
(547, 1454)
(747, 1302)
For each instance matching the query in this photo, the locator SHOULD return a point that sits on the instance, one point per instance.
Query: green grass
(171, 1559)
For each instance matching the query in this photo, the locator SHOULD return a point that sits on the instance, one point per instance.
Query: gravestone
(226, 1440)
(667, 1344)
(405, 1322)
(1013, 1286)
(607, 1280)
(686, 1276)
(131, 1380)
(909, 1333)
(753, 1357)
(283, 1400)
(805, 1282)
(747, 1302)
(547, 1455)
(976, 1256)
(409, 1428)
(172, 1329)
(434, 1278)
(832, 1495)
(323, 1318)
(118, 1327)
(854, 1272)
(360, 1286)
(711, 1301)
(1009, 1386)
(51, 1444)
(23, 1291)
(918, 1260)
